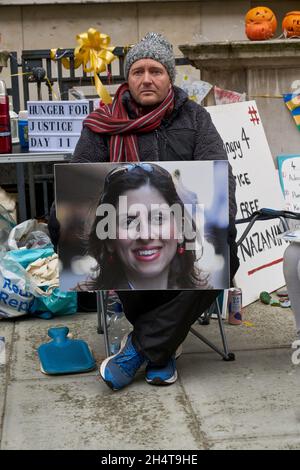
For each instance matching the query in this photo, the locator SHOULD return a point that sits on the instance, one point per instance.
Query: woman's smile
(147, 253)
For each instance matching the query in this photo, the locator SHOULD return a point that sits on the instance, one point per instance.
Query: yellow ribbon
(93, 49)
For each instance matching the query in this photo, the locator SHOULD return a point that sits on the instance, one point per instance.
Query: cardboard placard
(261, 253)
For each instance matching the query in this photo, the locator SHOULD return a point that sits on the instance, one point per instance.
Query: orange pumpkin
(259, 31)
(263, 16)
(291, 24)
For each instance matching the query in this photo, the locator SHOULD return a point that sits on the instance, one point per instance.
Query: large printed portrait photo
(144, 225)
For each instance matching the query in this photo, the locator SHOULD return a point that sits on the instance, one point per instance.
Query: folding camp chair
(102, 315)
(204, 318)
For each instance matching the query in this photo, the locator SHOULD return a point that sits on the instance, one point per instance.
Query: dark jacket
(186, 134)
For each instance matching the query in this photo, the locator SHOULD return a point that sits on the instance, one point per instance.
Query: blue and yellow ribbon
(292, 102)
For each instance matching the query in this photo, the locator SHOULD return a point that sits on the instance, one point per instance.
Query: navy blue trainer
(162, 375)
(119, 370)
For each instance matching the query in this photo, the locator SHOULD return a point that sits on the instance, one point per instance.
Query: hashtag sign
(253, 115)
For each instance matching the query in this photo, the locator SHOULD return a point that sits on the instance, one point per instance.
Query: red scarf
(113, 120)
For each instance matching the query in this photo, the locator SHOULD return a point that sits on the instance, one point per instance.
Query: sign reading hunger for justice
(55, 125)
(257, 186)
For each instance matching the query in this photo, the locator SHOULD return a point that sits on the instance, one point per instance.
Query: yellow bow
(94, 50)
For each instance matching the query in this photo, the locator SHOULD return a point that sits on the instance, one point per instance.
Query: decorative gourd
(261, 23)
(291, 24)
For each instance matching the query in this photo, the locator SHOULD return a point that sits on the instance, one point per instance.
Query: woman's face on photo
(146, 234)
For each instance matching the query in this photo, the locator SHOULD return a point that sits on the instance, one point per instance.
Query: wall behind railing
(48, 24)
(52, 24)
(24, 25)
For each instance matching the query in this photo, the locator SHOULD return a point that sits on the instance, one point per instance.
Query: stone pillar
(264, 70)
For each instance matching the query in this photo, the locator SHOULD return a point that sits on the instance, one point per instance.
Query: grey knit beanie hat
(152, 46)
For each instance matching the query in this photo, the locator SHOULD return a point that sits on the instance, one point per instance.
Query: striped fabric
(113, 120)
(292, 101)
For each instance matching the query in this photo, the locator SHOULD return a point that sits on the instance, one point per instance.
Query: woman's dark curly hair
(109, 274)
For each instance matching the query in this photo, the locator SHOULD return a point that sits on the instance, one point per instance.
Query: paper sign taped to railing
(257, 186)
(289, 175)
(55, 125)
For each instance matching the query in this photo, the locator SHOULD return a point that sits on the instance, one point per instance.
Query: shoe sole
(108, 383)
(103, 365)
(159, 381)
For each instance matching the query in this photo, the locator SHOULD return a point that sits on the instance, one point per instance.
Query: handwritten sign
(55, 125)
(289, 175)
(261, 253)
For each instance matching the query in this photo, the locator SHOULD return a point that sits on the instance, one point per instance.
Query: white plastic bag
(17, 288)
(20, 234)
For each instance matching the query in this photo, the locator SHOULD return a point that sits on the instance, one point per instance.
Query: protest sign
(55, 126)
(148, 225)
(261, 253)
(289, 175)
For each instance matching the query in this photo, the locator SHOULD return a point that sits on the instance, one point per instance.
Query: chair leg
(225, 353)
(228, 356)
(103, 329)
(99, 319)
(102, 319)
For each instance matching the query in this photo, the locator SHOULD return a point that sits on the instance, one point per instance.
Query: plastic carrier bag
(17, 289)
(29, 274)
(44, 271)
(27, 256)
(58, 303)
(48, 301)
(22, 235)
(21, 295)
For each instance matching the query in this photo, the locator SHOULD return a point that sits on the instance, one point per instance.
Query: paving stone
(32, 333)
(85, 414)
(251, 403)
(271, 443)
(268, 327)
(6, 330)
(256, 396)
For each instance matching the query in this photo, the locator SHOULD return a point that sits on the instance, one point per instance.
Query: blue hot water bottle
(64, 355)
